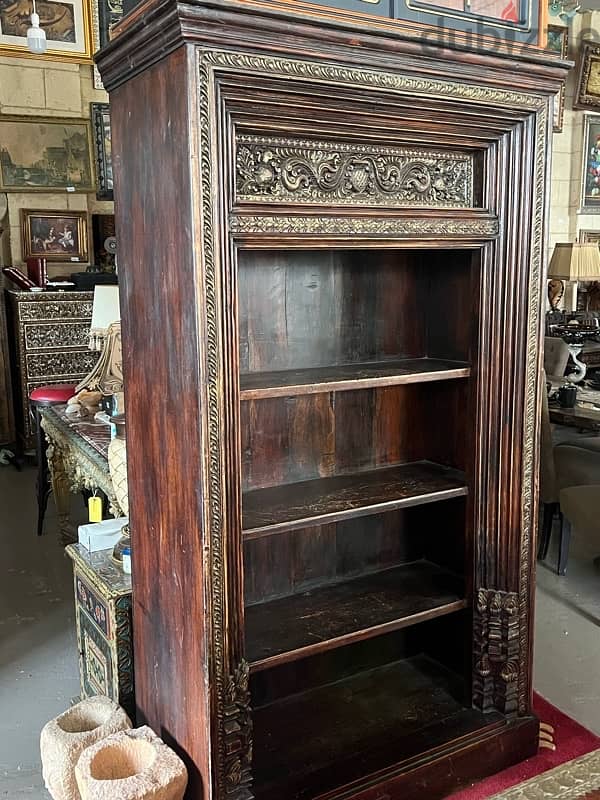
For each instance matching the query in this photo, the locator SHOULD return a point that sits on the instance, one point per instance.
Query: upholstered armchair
(556, 356)
(580, 508)
(565, 468)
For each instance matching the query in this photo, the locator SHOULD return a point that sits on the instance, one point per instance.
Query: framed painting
(100, 114)
(587, 95)
(41, 154)
(589, 236)
(590, 178)
(55, 235)
(67, 24)
(106, 13)
(558, 42)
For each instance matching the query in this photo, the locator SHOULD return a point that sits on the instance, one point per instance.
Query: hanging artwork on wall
(67, 24)
(55, 235)
(109, 13)
(39, 153)
(558, 42)
(590, 179)
(588, 85)
(100, 115)
(106, 14)
(589, 236)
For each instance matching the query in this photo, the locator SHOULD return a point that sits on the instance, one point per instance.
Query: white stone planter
(131, 765)
(64, 738)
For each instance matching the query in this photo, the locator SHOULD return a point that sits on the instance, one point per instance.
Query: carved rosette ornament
(496, 640)
(270, 169)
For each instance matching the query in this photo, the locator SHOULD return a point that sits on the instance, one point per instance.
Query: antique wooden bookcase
(331, 242)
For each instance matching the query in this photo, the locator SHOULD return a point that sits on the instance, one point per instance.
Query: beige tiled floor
(38, 651)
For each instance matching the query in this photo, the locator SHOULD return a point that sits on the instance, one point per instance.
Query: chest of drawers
(103, 619)
(49, 336)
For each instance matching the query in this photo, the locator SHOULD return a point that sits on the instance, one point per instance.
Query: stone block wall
(44, 88)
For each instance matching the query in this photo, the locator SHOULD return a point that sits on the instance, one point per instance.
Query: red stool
(50, 395)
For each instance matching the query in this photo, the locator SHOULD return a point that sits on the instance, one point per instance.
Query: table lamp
(105, 310)
(577, 261)
(105, 335)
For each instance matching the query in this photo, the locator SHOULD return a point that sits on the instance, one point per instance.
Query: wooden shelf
(259, 385)
(327, 500)
(357, 726)
(330, 616)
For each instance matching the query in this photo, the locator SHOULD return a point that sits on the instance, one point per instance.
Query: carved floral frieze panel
(271, 170)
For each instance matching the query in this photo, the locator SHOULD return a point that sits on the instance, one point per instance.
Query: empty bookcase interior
(332, 404)
(355, 370)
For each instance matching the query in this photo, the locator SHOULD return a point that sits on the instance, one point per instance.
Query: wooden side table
(103, 618)
(78, 459)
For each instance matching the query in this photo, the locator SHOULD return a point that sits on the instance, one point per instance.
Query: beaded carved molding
(270, 169)
(484, 228)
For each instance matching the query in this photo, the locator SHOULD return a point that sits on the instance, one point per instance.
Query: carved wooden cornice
(158, 27)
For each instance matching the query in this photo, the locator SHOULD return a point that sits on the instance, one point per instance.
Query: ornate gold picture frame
(590, 173)
(55, 235)
(42, 154)
(588, 84)
(67, 24)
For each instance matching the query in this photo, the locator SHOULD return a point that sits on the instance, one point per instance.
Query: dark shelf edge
(353, 513)
(347, 385)
(356, 636)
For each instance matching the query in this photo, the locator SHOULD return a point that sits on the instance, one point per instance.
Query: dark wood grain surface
(168, 526)
(348, 377)
(268, 511)
(291, 439)
(579, 417)
(365, 723)
(330, 616)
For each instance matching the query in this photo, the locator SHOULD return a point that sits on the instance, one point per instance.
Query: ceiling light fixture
(36, 36)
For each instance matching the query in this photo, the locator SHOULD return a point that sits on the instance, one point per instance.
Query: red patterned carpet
(572, 740)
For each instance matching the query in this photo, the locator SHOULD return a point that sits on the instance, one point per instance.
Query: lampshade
(105, 311)
(575, 261)
(106, 306)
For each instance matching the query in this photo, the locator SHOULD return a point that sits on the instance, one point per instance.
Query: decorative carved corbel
(496, 665)
(238, 735)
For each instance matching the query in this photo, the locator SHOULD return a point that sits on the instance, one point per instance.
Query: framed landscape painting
(590, 178)
(55, 235)
(38, 154)
(67, 24)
